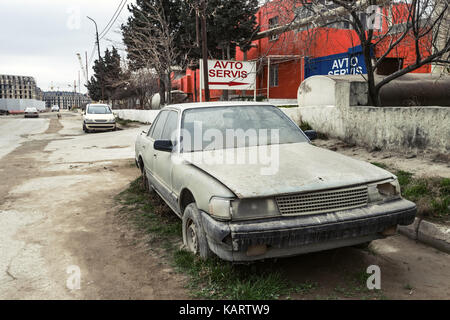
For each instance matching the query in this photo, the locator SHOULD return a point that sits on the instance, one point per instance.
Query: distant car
(297, 198)
(31, 113)
(55, 108)
(98, 117)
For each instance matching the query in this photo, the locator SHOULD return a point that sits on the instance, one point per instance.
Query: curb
(432, 234)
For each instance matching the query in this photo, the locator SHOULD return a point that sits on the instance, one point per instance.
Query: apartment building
(65, 99)
(19, 92)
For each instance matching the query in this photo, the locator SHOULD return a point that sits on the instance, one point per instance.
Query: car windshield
(213, 128)
(99, 110)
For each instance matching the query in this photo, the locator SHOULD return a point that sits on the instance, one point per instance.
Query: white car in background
(31, 113)
(98, 117)
(55, 108)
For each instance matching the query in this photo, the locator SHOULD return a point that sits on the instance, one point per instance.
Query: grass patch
(211, 279)
(381, 165)
(355, 287)
(124, 122)
(431, 194)
(306, 126)
(216, 279)
(148, 212)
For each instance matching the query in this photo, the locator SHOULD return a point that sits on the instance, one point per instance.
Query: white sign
(230, 75)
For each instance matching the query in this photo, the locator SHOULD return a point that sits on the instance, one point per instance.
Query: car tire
(194, 236)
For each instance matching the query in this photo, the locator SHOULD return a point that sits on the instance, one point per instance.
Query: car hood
(289, 168)
(99, 116)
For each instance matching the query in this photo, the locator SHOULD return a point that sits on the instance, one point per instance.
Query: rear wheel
(194, 237)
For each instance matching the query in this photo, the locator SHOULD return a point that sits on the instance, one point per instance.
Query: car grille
(323, 201)
(100, 120)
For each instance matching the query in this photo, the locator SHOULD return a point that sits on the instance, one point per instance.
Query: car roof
(194, 105)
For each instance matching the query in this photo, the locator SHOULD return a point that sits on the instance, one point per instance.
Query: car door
(163, 164)
(154, 133)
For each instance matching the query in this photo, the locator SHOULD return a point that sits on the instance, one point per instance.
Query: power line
(116, 14)
(117, 9)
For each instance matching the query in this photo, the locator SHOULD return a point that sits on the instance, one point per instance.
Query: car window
(237, 126)
(99, 110)
(159, 125)
(170, 126)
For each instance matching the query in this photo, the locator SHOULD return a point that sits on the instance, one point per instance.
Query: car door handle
(155, 155)
(143, 147)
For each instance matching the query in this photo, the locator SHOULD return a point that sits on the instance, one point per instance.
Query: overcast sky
(40, 38)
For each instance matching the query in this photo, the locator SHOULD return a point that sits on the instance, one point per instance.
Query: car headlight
(220, 208)
(254, 208)
(88, 120)
(384, 190)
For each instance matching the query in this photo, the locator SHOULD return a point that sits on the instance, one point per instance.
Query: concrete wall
(392, 128)
(19, 105)
(144, 116)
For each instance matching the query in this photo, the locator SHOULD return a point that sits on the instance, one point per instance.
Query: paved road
(13, 130)
(57, 210)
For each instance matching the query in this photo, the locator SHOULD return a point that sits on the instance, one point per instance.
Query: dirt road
(57, 210)
(56, 204)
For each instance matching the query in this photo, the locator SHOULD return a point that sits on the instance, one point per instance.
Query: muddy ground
(57, 209)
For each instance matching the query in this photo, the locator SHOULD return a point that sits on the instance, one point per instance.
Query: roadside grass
(306, 126)
(355, 287)
(211, 279)
(431, 194)
(124, 122)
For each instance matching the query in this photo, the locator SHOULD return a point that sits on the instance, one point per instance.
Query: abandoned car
(248, 184)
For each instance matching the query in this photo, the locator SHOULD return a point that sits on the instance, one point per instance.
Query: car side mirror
(163, 145)
(311, 134)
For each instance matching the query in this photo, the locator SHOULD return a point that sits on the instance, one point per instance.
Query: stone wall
(325, 103)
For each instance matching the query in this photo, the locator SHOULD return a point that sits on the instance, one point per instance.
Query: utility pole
(87, 71)
(99, 57)
(204, 49)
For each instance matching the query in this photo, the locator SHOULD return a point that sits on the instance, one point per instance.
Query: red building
(283, 56)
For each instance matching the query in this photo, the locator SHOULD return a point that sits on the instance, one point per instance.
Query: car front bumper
(100, 126)
(31, 115)
(287, 236)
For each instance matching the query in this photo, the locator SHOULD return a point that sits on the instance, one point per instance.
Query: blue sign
(350, 62)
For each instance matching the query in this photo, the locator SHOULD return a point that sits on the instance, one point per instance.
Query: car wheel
(84, 128)
(194, 237)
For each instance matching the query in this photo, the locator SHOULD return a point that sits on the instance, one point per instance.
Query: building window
(273, 74)
(273, 23)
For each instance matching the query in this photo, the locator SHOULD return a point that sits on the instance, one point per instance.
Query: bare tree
(151, 41)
